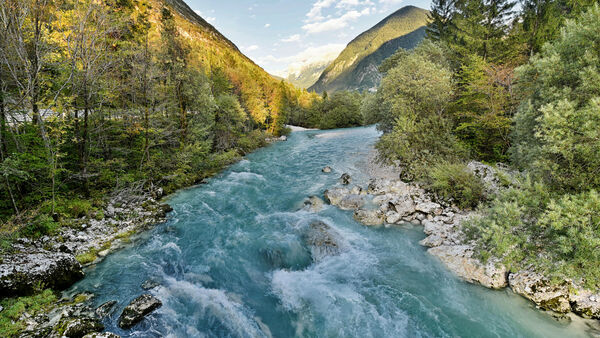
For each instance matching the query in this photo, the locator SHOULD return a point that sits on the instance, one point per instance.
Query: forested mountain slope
(356, 66)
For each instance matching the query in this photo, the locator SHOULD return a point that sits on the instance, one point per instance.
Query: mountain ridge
(405, 26)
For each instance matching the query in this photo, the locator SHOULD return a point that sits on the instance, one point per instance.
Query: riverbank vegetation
(99, 96)
(522, 89)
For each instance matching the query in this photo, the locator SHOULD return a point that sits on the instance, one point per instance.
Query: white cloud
(250, 48)
(387, 4)
(267, 25)
(335, 23)
(316, 12)
(309, 56)
(292, 38)
(210, 19)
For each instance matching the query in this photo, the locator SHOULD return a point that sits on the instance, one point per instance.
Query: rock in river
(322, 240)
(313, 204)
(137, 310)
(335, 195)
(21, 273)
(346, 179)
(326, 169)
(369, 217)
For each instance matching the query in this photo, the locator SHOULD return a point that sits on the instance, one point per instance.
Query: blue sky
(281, 35)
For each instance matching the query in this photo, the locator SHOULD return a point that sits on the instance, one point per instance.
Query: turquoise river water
(231, 262)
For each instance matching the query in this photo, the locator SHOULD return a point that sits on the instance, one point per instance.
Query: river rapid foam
(232, 261)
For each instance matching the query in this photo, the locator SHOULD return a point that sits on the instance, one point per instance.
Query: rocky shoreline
(57, 262)
(388, 201)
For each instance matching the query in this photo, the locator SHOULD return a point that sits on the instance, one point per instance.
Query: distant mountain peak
(356, 66)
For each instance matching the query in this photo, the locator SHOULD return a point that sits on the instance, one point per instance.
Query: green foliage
(559, 235)
(572, 227)
(556, 132)
(507, 228)
(415, 96)
(39, 226)
(342, 109)
(11, 323)
(455, 183)
(87, 257)
(483, 108)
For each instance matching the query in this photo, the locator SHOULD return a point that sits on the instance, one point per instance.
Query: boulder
(102, 335)
(79, 327)
(149, 284)
(429, 208)
(21, 273)
(459, 259)
(432, 241)
(369, 217)
(322, 240)
(313, 204)
(351, 202)
(585, 303)
(346, 179)
(335, 195)
(403, 205)
(326, 170)
(392, 217)
(106, 308)
(378, 187)
(539, 290)
(137, 310)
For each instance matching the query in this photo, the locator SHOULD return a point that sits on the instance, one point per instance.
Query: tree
(175, 64)
(484, 108)
(556, 133)
(415, 120)
(88, 52)
(440, 19)
(229, 121)
(480, 27)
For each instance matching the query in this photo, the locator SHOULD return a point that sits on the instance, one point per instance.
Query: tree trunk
(3, 146)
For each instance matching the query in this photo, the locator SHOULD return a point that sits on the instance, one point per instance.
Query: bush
(39, 226)
(420, 144)
(454, 182)
(506, 228)
(572, 228)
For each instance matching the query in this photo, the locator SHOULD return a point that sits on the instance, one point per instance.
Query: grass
(14, 308)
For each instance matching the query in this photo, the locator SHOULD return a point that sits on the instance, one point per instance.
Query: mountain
(307, 75)
(356, 67)
(259, 91)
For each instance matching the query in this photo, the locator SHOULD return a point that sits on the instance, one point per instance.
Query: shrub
(39, 226)
(572, 228)
(455, 182)
(506, 228)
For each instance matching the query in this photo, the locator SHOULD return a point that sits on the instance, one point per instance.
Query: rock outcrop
(137, 310)
(22, 273)
(459, 259)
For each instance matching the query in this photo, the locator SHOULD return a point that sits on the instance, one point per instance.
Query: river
(231, 262)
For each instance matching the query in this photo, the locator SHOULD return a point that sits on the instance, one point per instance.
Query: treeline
(98, 95)
(341, 109)
(495, 84)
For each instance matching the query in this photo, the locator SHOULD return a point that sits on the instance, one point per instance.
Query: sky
(283, 35)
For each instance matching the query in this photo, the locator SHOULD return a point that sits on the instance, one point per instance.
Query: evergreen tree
(440, 19)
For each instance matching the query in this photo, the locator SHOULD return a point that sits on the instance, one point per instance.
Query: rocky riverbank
(388, 201)
(57, 262)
